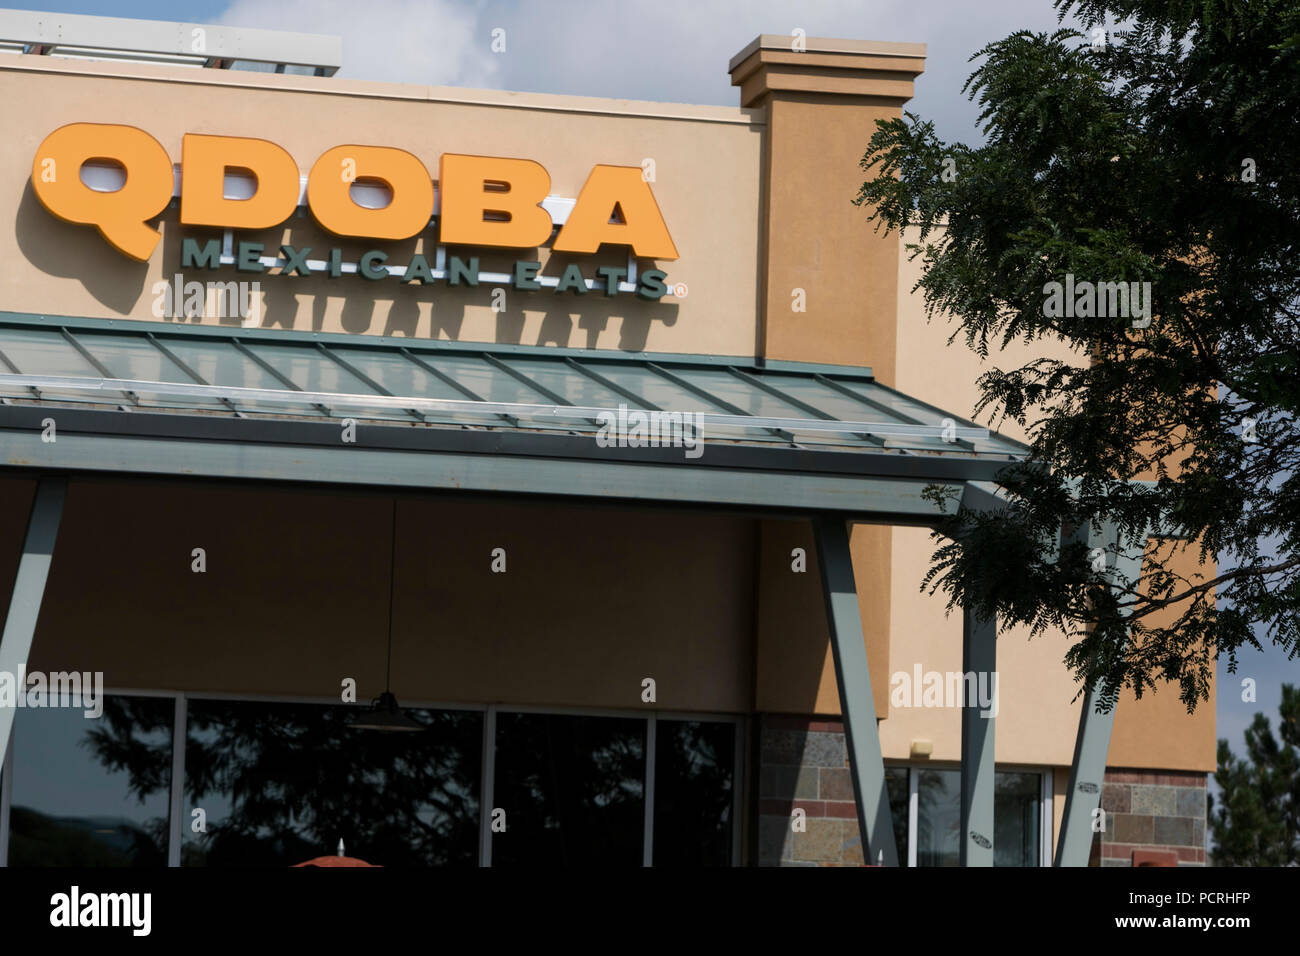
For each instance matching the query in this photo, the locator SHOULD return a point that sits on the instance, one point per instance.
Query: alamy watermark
(1116, 300)
(637, 429)
(133, 911)
(179, 299)
(945, 689)
(55, 689)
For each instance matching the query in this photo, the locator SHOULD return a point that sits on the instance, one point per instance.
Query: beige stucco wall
(707, 167)
(295, 597)
(824, 257)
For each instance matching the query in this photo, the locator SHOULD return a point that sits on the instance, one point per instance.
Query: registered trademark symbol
(680, 290)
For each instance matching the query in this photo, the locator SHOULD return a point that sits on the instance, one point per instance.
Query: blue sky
(672, 50)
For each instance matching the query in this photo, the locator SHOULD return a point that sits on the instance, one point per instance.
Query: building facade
(520, 408)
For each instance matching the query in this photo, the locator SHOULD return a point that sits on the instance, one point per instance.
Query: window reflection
(938, 821)
(572, 789)
(694, 762)
(899, 800)
(280, 784)
(1017, 818)
(92, 792)
(275, 784)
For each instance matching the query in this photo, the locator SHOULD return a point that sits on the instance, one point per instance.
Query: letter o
(330, 198)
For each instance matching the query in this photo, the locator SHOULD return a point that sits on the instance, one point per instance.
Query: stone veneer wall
(803, 764)
(1151, 810)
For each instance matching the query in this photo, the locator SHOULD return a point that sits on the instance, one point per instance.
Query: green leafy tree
(1157, 145)
(1256, 820)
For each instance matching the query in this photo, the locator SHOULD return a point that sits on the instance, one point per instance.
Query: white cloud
(668, 50)
(437, 42)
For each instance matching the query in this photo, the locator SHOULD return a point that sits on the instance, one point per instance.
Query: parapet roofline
(785, 42)
(382, 90)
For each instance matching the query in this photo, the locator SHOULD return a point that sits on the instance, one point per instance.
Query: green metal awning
(147, 388)
(137, 365)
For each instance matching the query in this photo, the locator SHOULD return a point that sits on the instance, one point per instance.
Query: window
(274, 783)
(1017, 819)
(572, 790)
(899, 799)
(91, 792)
(694, 799)
(1021, 803)
(938, 820)
(279, 784)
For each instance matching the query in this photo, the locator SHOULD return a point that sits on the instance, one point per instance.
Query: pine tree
(1257, 818)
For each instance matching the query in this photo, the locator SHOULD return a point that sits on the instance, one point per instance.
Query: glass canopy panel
(564, 380)
(313, 371)
(395, 372)
(488, 383)
(735, 391)
(881, 404)
(753, 400)
(44, 351)
(908, 411)
(845, 408)
(136, 358)
(903, 404)
(813, 392)
(220, 363)
(654, 388)
(671, 397)
(309, 369)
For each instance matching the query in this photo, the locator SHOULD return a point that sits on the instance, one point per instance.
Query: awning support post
(979, 649)
(866, 765)
(1092, 742)
(29, 590)
(1087, 771)
(979, 708)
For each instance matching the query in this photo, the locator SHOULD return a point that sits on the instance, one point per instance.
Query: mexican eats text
(485, 201)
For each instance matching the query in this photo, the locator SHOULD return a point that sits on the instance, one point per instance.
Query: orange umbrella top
(335, 861)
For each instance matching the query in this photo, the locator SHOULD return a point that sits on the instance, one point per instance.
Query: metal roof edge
(170, 429)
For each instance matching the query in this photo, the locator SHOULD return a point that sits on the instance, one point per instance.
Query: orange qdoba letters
(463, 183)
(205, 160)
(120, 216)
(642, 227)
(330, 182)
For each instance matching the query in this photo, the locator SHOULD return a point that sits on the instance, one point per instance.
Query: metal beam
(15, 419)
(29, 591)
(900, 498)
(1092, 742)
(866, 764)
(979, 651)
(979, 656)
(199, 42)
